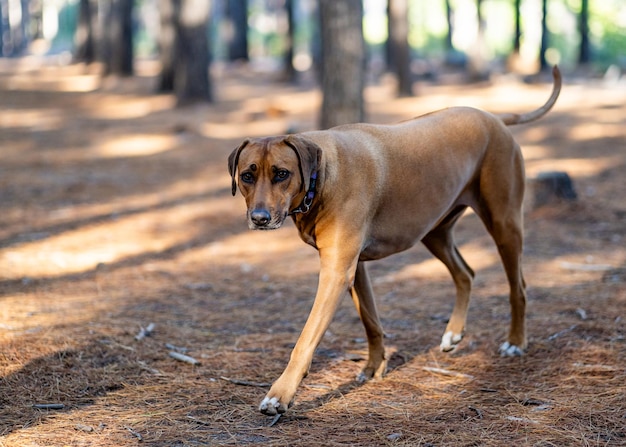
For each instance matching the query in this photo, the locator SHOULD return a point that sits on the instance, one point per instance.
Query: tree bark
(118, 35)
(191, 76)
(343, 62)
(84, 42)
(237, 11)
(400, 53)
(167, 46)
(478, 62)
(584, 56)
(450, 33)
(543, 64)
(289, 70)
(518, 27)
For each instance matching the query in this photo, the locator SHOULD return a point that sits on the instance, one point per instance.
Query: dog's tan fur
(381, 189)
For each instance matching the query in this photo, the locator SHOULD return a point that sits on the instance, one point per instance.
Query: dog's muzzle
(262, 219)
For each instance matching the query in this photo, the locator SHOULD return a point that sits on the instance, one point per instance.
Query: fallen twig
(135, 434)
(564, 331)
(198, 421)
(446, 372)
(183, 358)
(478, 412)
(246, 383)
(172, 347)
(145, 332)
(49, 406)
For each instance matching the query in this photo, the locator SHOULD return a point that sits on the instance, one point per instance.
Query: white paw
(269, 406)
(509, 350)
(449, 341)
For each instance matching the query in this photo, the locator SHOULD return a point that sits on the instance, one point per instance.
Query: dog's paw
(449, 341)
(271, 406)
(372, 372)
(509, 350)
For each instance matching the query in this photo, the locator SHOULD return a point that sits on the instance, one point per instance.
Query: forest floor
(116, 214)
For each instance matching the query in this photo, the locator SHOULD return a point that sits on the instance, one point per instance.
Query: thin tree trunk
(399, 45)
(84, 45)
(288, 68)
(237, 11)
(343, 62)
(584, 56)
(121, 38)
(543, 64)
(191, 78)
(167, 46)
(518, 27)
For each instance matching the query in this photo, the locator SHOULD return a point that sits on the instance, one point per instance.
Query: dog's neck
(305, 206)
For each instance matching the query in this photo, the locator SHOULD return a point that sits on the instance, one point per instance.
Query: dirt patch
(116, 213)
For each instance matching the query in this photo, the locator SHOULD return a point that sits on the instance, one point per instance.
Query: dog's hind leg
(440, 242)
(363, 298)
(500, 209)
(507, 233)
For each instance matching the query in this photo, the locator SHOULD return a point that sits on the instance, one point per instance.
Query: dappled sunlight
(110, 241)
(277, 253)
(478, 256)
(135, 145)
(120, 107)
(267, 115)
(590, 131)
(535, 152)
(33, 119)
(118, 213)
(241, 130)
(589, 266)
(70, 84)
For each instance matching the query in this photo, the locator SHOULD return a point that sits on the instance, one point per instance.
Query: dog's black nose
(260, 217)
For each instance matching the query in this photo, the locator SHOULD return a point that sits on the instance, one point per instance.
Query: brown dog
(361, 192)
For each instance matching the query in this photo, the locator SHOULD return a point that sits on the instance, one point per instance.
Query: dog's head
(274, 175)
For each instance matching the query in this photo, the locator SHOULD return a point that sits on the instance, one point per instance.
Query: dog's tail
(514, 118)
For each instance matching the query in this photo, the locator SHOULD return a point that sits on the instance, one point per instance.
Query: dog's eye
(247, 177)
(281, 175)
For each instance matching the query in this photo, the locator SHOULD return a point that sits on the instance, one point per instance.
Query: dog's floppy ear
(309, 157)
(233, 159)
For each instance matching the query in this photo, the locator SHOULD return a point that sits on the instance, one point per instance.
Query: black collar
(305, 206)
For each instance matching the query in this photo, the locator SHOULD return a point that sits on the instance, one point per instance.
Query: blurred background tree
(414, 40)
(343, 62)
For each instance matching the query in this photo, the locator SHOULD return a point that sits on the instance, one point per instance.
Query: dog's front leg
(337, 271)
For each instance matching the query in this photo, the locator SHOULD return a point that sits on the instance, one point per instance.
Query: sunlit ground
(116, 211)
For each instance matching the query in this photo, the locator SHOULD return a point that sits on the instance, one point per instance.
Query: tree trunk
(584, 56)
(84, 39)
(450, 33)
(478, 60)
(167, 46)
(191, 77)
(14, 36)
(237, 12)
(518, 27)
(118, 58)
(399, 45)
(343, 62)
(2, 27)
(289, 70)
(543, 64)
